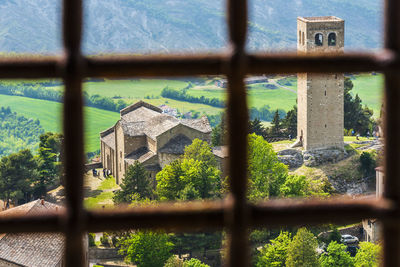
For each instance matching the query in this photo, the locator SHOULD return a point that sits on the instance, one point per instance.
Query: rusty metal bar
(171, 217)
(391, 231)
(296, 212)
(178, 65)
(210, 215)
(73, 133)
(292, 63)
(238, 216)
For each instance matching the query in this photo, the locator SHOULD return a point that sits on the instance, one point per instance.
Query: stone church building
(145, 134)
(320, 119)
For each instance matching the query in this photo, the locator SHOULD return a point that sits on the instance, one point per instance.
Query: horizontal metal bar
(171, 217)
(322, 63)
(211, 215)
(181, 65)
(294, 213)
(34, 67)
(32, 223)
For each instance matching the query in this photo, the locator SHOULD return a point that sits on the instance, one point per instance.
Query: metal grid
(234, 213)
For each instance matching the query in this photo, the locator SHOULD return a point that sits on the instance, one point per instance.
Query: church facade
(145, 134)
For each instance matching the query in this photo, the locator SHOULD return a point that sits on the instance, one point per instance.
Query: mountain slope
(144, 26)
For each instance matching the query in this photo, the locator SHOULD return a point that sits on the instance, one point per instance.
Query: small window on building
(335, 76)
(120, 154)
(120, 167)
(302, 39)
(319, 39)
(332, 39)
(325, 92)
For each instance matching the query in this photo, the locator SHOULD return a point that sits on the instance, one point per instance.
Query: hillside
(146, 26)
(49, 115)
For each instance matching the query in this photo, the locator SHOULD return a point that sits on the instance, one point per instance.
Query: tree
(194, 263)
(289, 123)
(334, 236)
(266, 172)
(146, 248)
(275, 253)
(368, 255)
(337, 256)
(302, 250)
(295, 186)
(49, 162)
(355, 116)
(194, 176)
(16, 174)
(219, 132)
(257, 128)
(136, 184)
(276, 125)
(367, 164)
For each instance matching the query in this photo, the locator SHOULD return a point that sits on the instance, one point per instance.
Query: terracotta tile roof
(32, 249)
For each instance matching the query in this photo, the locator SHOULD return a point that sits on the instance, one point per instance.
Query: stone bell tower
(320, 120)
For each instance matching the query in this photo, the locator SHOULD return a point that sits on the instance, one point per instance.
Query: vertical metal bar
(73, 131)
(391, 232)
(238, 238)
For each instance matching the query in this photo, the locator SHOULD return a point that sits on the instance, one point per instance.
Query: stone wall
(180, 129)
(320, 96)
(165, 159)
(120, 152)
(132, 143)
(108, 157)
(96, 253)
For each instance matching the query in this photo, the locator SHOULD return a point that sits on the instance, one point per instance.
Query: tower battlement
(320, 34)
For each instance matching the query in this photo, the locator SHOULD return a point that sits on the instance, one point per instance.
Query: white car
(349, 239)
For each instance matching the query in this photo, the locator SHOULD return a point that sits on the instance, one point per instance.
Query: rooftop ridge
(138, 105)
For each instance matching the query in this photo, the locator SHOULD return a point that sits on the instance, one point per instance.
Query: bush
(104, 240)
(367, 164)
(174, 261)
(194, 263)
(91, 238)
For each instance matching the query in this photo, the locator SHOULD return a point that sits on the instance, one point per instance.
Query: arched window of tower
(319, 39)
(332, 39)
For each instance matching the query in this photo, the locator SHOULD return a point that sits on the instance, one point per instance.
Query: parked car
(349, 239)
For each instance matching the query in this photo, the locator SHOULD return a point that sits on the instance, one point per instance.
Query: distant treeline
(38, 92)
(17, 132)
(182, 95)
(265, 113)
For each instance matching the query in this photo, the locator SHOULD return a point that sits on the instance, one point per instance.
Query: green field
(370, 89)
(49, 114)
(368, 86)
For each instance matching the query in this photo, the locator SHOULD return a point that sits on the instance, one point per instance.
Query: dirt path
(274, 82)
(90, 185)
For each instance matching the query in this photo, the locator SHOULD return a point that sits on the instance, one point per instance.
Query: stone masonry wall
(320, 96)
